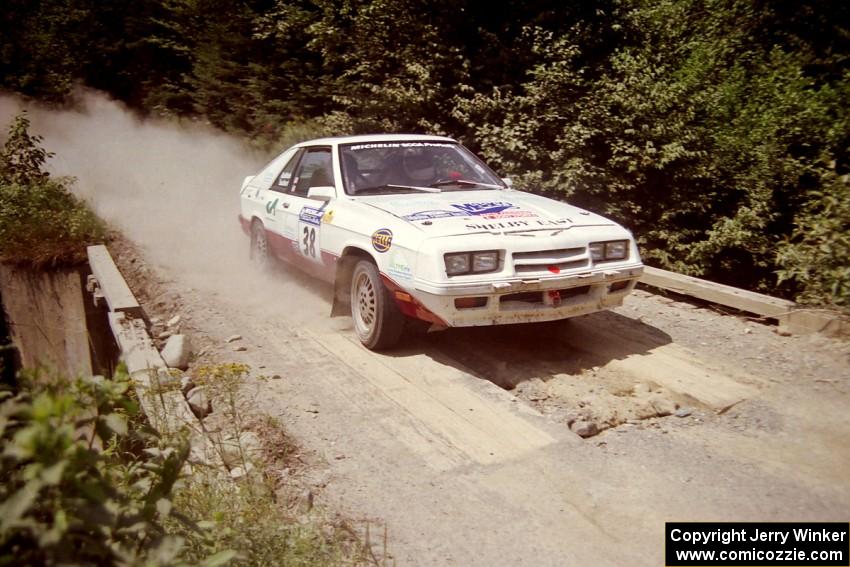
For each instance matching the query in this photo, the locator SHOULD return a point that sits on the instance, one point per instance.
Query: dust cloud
(171, 188)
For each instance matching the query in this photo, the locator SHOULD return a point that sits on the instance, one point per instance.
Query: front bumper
(528, 300)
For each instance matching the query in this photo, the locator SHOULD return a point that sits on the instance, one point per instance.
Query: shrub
(86, 480)
(83, 480)
(41, 222)
(815, 256)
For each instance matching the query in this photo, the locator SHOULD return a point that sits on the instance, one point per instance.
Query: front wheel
(377, 319)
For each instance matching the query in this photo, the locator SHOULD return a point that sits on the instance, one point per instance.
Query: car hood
(496, 211)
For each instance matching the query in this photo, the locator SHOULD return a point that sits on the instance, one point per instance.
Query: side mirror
(508, 181)
(322, 193)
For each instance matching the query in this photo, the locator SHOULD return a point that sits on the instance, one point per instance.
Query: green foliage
(76, 488)
(239, 509)
(815, 256)
(700, 131)
(22, 156)
(41, 222)
(706, 126)
(86, 480)
(247, 519)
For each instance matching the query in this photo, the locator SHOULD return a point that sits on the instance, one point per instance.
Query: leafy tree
(702, 132)
(710, 127)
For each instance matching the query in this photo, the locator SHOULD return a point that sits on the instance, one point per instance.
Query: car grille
(542, 261)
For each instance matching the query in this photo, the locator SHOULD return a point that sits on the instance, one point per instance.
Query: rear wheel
(260, 255)
(377, 319)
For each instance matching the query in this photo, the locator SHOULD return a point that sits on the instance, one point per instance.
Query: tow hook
(552, 298)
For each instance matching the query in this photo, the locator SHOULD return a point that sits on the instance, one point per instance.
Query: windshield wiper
(417, 188)
(468, 182)
(389, 188)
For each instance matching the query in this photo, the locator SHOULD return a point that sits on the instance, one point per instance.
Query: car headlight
(457, 264)
(610, 250)
(616, 250)
(472, 262)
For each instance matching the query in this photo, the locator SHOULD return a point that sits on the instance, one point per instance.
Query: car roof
(366, 138)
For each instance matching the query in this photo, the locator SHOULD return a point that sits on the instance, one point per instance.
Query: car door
(276, 201)
(304, 215)
(258, 191)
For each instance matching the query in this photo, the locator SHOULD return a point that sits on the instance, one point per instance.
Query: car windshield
(380, 168)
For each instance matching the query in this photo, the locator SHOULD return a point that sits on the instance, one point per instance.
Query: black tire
(377, 320)
(260, 254)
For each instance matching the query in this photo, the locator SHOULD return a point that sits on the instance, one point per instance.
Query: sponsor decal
(271, 207)
(328, 217)
(529, 224)
(509, 215)
(428, 215)
(380, 145)
(491, 210)
(310, 215)
(382, 239)
(484, 208)
(398, 267)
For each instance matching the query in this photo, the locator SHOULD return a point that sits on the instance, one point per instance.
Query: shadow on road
(508, 355)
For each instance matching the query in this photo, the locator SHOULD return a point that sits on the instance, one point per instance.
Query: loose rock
(186, 384)
(241, 471)
(239, 348)
(662, 406)
(683, 412)
(177, 351)
(641, 389)
(199, 402)
(585, 428)
(234, 338)
(238, 451)
(174, 321)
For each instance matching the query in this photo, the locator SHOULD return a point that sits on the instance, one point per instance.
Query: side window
(284, 179)
(313, 171)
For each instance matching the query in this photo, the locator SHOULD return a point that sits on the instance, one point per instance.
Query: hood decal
(487, 210)
(503, 211)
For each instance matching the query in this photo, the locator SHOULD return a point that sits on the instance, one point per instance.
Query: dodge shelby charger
(412, 226)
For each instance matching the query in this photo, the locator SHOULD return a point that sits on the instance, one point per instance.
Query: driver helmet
(418, 165)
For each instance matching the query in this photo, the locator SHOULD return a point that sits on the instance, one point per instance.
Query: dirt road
(466, 472)
(462, 442)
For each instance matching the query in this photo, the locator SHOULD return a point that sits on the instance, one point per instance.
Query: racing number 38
(309, 241)
(310, 233)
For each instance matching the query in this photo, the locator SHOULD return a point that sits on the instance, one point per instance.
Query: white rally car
(412, 226)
